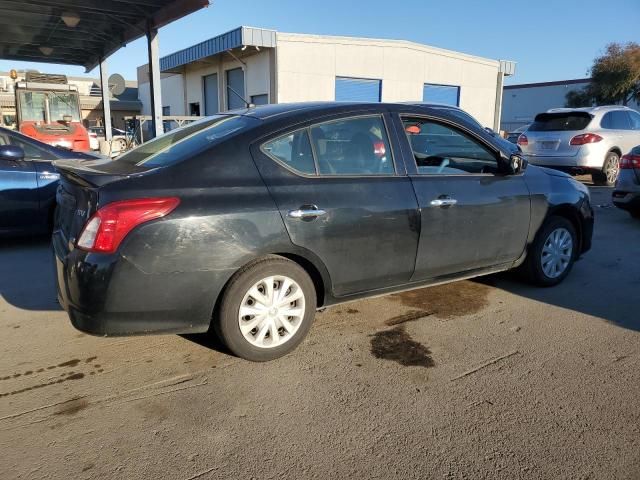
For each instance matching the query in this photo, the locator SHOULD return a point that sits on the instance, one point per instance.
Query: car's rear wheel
(635, 213)
(267, 309)
(609, 173)
(552, 253)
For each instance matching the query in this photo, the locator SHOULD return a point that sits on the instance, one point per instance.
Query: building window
(262, 99)
(358, 90)
(194, 109)
(235, 89)
(446, 94)
(166, 111)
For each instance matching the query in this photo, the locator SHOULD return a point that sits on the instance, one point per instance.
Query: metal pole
(498, 111)
(154, 81)
(106, 105)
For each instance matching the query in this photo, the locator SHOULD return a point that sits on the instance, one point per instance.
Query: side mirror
(11, 153)
(517, 164)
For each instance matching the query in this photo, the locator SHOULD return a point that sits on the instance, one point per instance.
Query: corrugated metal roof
(249, 36)
(82, 32)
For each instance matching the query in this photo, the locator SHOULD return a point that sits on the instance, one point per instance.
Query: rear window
(562, 122)
(183, 142)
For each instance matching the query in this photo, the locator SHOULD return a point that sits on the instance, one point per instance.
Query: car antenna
(244, 100)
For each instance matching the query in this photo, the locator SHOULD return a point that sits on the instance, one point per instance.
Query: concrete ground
(478, 379)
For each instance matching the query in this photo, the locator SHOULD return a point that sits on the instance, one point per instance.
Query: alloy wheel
(612, 169)
(557, 252)
(271, 311)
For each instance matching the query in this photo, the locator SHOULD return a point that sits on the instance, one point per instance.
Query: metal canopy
(81, 32)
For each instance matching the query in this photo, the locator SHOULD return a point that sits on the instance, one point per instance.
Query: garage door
(235, 89)
(211, 94)
(447, 94)
(358, 89)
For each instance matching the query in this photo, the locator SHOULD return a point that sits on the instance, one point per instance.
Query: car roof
(265, 112)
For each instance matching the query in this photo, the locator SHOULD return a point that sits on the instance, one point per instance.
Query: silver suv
(582, 140)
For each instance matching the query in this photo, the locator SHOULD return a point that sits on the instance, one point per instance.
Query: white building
(521, 103)
(265, 66)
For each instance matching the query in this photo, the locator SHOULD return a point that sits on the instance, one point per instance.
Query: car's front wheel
(552, 253)
(267, 309)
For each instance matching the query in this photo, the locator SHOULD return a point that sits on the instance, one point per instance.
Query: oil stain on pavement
(449, 300)
(398, 346)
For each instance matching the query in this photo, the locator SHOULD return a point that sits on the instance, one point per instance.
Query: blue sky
(550, 39)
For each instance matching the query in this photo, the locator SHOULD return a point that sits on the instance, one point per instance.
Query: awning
(81, 32)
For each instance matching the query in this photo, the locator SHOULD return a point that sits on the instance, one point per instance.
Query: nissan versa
(250, 221)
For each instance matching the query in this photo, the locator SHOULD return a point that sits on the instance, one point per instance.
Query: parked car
(513, 136)
(627, 192)
(118, 138)
(28, 182)
(582, 140)
(249, 221)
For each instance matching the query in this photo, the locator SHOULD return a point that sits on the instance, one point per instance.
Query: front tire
(552, 253)
(608, 176)
(267, 309)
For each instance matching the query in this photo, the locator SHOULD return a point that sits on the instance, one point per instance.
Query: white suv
(582, 140)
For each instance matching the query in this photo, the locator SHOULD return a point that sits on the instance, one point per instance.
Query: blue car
(28, 183)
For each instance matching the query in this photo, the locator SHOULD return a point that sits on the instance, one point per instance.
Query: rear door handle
(443, 202)
(307, 211)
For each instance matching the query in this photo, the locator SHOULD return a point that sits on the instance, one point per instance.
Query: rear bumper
(106, 295)
(626, 200)
(587, 159)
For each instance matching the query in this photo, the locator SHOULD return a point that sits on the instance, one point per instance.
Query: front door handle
(443, 202)
(307, 211)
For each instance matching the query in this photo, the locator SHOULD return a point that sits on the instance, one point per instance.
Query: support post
(154, 81)
(106, 105)
(498, 110)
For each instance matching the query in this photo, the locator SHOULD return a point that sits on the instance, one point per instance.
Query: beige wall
(181, 89)
(308, 64)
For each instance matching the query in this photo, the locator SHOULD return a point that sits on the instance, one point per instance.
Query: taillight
(106, 229)
(585, 138)
(523, 140)
(630, 161)
(379, 149)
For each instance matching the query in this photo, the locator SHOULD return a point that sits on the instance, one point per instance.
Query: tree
(615, 78)
(579, 98)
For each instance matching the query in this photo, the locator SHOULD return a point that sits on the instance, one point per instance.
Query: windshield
(61, 104)
(33, 106)
(560, 122)
(186, 141)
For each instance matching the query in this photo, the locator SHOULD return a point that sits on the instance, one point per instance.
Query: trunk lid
(78, 192)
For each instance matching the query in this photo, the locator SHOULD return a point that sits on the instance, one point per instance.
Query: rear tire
(635, 214)
(609, 174)
(266, 310)
(552, 253)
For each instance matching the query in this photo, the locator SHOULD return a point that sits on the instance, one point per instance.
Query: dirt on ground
(489, 378)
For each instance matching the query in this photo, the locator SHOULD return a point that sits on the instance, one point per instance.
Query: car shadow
(27, 276)
(208, 340)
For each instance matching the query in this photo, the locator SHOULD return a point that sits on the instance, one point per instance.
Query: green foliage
(615, 78)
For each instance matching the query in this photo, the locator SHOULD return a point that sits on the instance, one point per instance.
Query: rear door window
(353, 146)
(560, 122)
(292, 150)
(616, 121)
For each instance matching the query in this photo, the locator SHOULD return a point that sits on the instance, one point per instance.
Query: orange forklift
(48, 109)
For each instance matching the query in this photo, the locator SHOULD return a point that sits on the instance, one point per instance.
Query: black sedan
(28, 183)
(247, 222)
